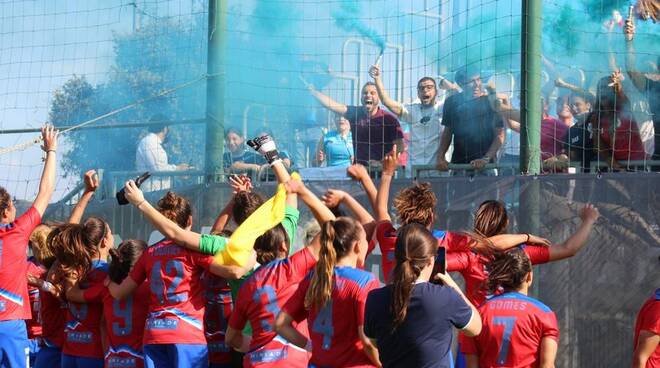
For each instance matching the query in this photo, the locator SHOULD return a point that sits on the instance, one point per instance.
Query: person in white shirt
(424, 117)
(151, 156)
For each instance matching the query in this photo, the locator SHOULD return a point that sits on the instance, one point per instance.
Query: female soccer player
(647, 334)
(412, 320)
(174, 333)
(82, 253)
(332, 300)
(53, 309)
(14, 235)
(124, 320)
(36, 270)
(518, 331)
(491, 219)
(416, 204)
(265, 291)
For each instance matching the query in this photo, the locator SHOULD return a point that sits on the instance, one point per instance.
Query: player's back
(83, 327)
(176, 303)
(124, 320)
(513, 327)
(264, 293)
(334, 327)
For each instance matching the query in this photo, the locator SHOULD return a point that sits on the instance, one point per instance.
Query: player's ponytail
(123, 258)
(414, 247)
(268, 245)
(337, 237)
(508, 270)
(491, 219)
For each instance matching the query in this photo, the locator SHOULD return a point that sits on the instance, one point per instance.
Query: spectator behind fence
(476, 129)
(335, 147)
(646, 83)
(424, 116)
(151, 156)
(579, 138)
(411, 319)
(374, 130)
(617, 140)
(553, 134)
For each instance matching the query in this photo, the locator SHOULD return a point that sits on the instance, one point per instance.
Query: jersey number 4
(509, 323)
(323, 325)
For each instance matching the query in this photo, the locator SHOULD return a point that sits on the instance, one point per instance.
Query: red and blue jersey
(33, 324)
(648, 319)
(259, 301)
(216, 317)
(472, 266)
(14, 237)
(54, 313)
(124, 325)
(176, 300)
(83, 326)
(513, 327)
(385, 236)
(333, 328)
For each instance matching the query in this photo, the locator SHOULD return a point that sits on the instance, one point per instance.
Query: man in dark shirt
(374, 130)
(475, 128)
(579, 144)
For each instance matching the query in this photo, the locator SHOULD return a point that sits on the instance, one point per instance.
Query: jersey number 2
(509, 323)
(157, 283)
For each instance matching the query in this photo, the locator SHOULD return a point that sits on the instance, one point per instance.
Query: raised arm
(391, 104)
(360, 173)
(326, 100)
(589, 214)
(238, 184)
(320, 212)
(165, 226)
(47, 184)
(389, 168)
(445, 141)
(334, 197)
(91, 180)
(638, 78)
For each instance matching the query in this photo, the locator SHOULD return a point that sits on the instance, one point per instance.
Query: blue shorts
(70, 361)
(14, 351)
(48, 357)
(34, 345)
(176, 355)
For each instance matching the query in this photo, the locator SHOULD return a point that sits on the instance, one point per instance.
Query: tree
(158, 56)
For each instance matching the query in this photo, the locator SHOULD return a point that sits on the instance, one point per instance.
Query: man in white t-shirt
(424, 117)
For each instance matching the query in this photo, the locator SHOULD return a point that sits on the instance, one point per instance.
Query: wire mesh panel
(595, 294)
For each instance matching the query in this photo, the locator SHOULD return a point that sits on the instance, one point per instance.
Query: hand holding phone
(440, 265)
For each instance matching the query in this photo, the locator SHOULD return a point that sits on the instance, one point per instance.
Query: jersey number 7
(509, 323)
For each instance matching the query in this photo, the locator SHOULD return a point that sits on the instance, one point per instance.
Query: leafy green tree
(159, 56)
